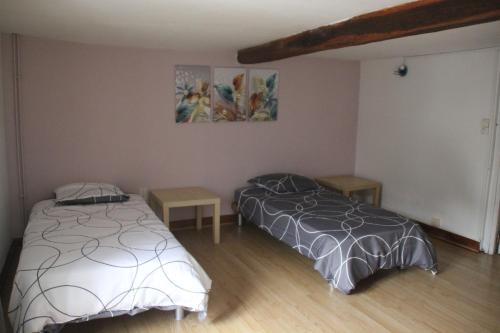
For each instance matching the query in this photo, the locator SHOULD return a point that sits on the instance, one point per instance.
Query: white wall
(420, 136)
(4, 226)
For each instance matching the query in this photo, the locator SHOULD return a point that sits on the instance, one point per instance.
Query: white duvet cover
(81, 262)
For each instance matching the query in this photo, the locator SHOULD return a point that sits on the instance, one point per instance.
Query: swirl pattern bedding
(348, 240)
(94, 261)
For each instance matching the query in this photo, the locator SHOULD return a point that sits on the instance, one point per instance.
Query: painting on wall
(192, 94)
(263, 94)
(229, 94)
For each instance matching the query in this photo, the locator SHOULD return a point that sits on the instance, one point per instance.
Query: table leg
(154, 206)
(166, 216)
(199, 217)
(216, 223)
(376, 196)
(346, 194)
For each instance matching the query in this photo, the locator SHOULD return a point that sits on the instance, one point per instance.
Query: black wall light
(402, 70)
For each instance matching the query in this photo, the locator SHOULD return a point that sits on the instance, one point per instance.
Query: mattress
(348, 240)
(92, 261)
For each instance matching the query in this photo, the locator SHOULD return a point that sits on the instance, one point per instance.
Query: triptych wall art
(234, 94)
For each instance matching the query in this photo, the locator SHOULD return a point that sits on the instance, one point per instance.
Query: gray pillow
(284, 183)
(88, 193)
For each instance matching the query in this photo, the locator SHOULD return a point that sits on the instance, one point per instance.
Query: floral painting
(263, 92)
(229, 94)
(192, 94)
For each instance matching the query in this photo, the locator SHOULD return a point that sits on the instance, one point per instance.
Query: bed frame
(179, 314)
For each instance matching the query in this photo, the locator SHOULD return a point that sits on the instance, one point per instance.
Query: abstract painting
(229, 94)
(192, 94)
(263, 94)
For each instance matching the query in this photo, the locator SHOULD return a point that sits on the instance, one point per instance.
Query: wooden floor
(261, 285)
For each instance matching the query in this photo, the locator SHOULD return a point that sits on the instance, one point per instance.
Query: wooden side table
(349, 184)
(163, 199)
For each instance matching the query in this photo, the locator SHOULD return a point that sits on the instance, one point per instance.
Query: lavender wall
(98, 113)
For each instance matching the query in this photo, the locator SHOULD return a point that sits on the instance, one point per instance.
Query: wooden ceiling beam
(413, 18)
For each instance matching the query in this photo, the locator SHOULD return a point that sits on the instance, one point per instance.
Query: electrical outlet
(435, 221)
(485, 126)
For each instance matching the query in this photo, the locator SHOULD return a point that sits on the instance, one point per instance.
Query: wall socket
(435, 221)
(485, 126)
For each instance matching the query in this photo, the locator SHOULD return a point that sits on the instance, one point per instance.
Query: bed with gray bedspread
(347, 240)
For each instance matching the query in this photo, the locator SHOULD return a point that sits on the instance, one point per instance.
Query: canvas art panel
(192, 94)
(229, 94)
(263, 94)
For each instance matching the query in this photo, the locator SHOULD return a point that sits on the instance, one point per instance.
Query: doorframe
(492, 209)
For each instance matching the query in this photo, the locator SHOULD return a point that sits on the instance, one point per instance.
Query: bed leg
(179, 313)
(202, 315)
(240, 220)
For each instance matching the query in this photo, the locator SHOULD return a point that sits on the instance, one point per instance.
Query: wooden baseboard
(441, 234)
(444, 235)
(11, 260)
(206, 222)
(451, 238)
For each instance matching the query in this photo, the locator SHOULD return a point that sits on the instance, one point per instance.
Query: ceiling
(218, 24)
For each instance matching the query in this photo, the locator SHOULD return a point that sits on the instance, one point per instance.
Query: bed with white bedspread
(81, 262)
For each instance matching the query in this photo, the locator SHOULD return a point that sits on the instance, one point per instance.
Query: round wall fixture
(401, 71)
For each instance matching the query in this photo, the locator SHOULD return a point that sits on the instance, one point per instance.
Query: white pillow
(89, 193)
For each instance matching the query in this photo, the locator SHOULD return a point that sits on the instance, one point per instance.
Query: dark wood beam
(413, 18)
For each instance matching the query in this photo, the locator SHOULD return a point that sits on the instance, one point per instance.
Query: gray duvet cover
(347, 240)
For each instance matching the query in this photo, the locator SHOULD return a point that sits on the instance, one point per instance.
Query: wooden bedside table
(349, 184)
(162, 200)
